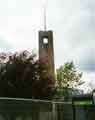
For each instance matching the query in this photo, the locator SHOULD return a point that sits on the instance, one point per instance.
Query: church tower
(46, 50)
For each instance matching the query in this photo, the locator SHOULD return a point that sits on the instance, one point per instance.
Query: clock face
(45, 40)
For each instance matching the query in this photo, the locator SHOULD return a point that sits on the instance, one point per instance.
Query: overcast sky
(73, 23)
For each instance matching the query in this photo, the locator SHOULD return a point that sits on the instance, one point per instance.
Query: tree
(68, 77)
(23, 75)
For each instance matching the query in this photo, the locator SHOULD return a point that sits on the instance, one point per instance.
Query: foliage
(68, 77)
(23, 75)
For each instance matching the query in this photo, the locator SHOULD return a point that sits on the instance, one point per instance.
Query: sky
(72, 22)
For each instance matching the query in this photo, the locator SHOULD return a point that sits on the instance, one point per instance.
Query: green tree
(68, 77)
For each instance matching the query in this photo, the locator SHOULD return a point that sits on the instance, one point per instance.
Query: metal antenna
(45, 19)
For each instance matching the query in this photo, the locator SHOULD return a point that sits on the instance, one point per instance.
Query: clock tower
(46, 50)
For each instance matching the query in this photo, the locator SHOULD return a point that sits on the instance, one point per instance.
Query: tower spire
(44, 15)
(45, 26)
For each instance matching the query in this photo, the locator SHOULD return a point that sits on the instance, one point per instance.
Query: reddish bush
(23, 75)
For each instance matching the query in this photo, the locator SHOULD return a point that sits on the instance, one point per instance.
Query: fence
(84, 112)
(29, 109)
(83, 107)
(26, 109)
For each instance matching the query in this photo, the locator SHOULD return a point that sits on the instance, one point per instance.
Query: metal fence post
(54, 111)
